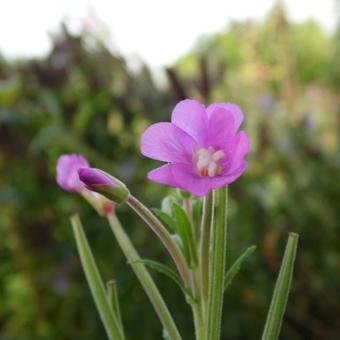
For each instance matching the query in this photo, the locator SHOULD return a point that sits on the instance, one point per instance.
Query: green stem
(157, 227)
(95, 282)
(218, 264)
(198, 321)
(144, 277)
(207, 221)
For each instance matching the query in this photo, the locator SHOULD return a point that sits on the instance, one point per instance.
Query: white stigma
(207, 160)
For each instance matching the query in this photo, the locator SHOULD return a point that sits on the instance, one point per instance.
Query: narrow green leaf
(109, 320)
(184, 230)
(281, 291)
(166, 218)
(235, 268)
(166, 271)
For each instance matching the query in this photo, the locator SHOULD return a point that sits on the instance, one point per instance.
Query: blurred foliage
(84, 98)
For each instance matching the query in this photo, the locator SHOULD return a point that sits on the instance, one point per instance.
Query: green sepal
(118, 192)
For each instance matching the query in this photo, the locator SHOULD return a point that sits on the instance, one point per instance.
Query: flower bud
(103, 183)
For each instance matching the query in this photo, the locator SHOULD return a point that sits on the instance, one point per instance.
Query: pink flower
(201, 146)
(67, 171)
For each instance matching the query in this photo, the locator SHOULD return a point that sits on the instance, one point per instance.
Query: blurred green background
(83, 98)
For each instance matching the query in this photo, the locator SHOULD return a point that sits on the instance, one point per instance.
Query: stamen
(207, 160)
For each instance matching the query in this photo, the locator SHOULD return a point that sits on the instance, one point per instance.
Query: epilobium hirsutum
(204, 151)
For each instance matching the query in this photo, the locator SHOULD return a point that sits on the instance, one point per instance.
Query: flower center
(207, 160)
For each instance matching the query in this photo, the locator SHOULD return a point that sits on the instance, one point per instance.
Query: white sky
(159, 31)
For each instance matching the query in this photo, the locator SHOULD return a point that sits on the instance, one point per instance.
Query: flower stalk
(157, 227)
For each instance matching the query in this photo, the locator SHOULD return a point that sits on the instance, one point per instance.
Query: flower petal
(179, 175)
(166, 142)
(163, 175)
(234, 109)
(67, 171)
(241, 148)
(221, 129)
(190, 116)
(185, 178)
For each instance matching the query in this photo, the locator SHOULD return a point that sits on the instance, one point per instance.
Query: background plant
(82, 97)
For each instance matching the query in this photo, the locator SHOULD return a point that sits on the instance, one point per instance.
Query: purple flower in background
(201, 146)
(67, 171)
